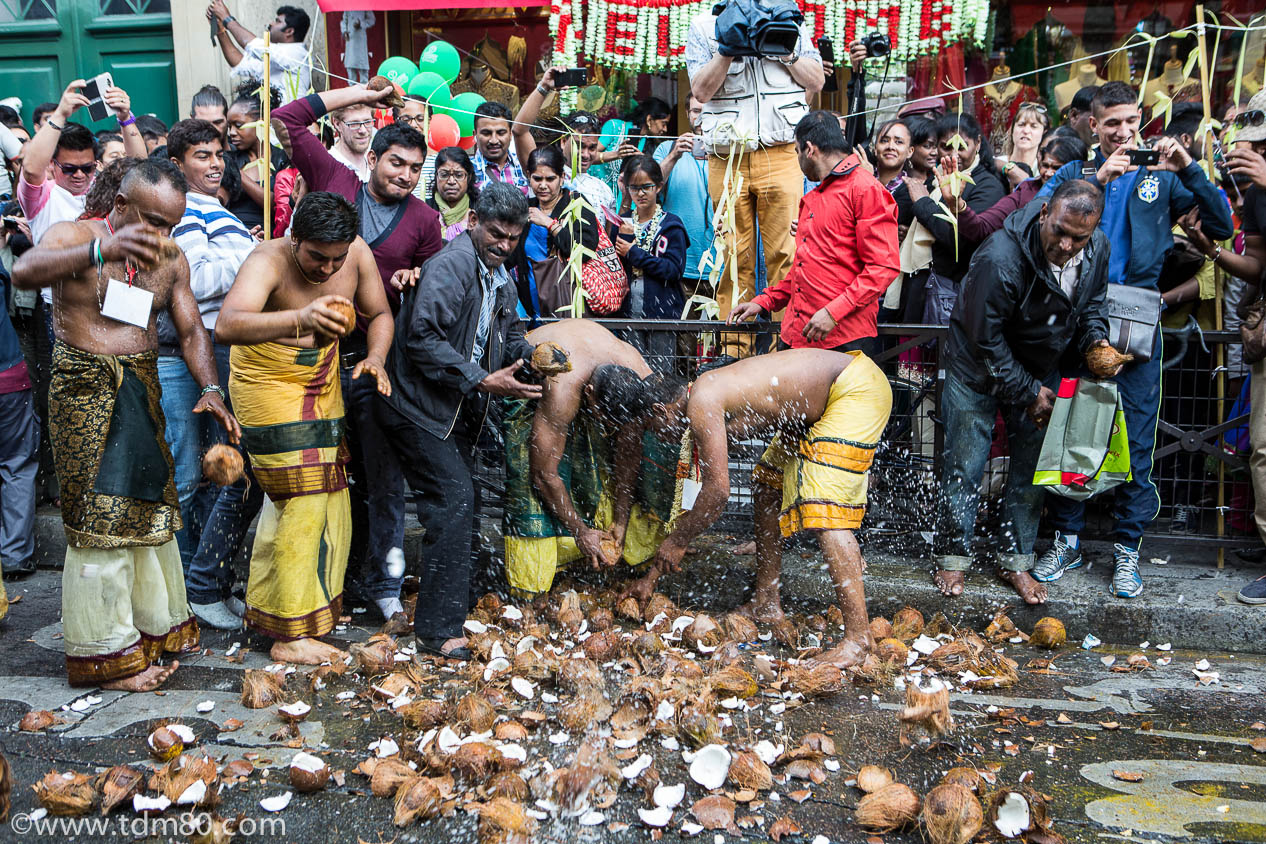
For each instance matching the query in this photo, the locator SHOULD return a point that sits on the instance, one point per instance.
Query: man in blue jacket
(1141, 206)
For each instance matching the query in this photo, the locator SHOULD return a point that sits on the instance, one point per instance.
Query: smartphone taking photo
(573, 77)
(1143, 157)
(95, 90)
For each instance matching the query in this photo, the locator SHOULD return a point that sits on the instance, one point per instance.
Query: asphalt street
(1083, 730)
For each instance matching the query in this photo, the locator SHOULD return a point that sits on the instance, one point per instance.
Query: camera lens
(877, 45)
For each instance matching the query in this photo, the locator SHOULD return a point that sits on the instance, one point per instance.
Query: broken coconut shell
(66, 794)
(871, 778)
(475, 712)
(740, 627)
(6, 788)
(1104, 361)
(261, 689)
(815, 680)
(165, 744)
(387, 776)
(747, 770)
(417, 799)
(1048, 633)
(927, 710)
(118, 785)
(507, 784)
(893, 807)
(604, 646)
(892, 650)
(951, 814)
(477, 760)
(424, 714)
(1019, 809)
(222, 465)
(733, 681)
(308, 773)
(951, 657)
(504, 821)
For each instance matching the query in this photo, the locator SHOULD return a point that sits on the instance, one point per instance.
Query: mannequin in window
(1002, 97)
(1252, 81)
(1085, 74)
(1170, 84)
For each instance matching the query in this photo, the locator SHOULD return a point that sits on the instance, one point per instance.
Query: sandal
(432, 647)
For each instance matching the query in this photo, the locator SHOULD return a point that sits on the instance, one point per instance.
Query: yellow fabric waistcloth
(290, 406)
(823, 477)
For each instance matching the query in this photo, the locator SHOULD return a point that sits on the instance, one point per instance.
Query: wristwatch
(228, 20)
(1217, 253)
(795, 57)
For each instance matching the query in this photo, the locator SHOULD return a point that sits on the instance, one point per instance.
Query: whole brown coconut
(222, 465)
(476, 712)
(892, 650)
(417, 799)
(892, 807)
(951, 814)
(604, 646)
(550, 359)
(880, 628)
(1048, 633)
(1104, 360)
(907, 624)
(379, 83)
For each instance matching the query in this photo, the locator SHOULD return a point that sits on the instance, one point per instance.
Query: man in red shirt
(846, 248)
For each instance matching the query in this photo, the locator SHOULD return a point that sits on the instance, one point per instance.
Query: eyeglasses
(72, 169)
(645, 188)
(450, 175)
(415, 120)
(1256, 117)
(358, 124)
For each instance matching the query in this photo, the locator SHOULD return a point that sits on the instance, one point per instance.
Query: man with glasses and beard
(403, 232)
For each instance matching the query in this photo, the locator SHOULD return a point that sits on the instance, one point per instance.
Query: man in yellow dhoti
(574, 480)
(290, 303)
(123, 591)
(827, 411)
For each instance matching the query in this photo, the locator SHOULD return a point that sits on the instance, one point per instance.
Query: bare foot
(949, 582)
(1030, 590)
(306, 652)
(762, 610)
(747, 549)
(148, 680)
(845, 655)
(642, 588)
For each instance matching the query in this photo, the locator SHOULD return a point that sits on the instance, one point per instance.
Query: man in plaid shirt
(494, 157)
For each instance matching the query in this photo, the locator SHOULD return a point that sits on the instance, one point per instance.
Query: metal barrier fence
(1200, 462)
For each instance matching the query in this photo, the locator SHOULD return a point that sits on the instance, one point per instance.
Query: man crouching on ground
(123, 591)
(284, 315)
(828, 411)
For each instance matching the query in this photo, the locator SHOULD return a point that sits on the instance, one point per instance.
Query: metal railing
(1202, 477)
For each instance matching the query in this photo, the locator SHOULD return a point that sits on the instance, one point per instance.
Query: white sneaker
(389, 607)
(216, 615)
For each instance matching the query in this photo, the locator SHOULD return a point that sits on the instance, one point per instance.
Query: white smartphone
(95, 92)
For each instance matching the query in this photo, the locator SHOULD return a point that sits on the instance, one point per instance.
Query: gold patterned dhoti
(123, 589)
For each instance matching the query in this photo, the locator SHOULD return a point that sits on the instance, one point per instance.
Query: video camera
(767, 29)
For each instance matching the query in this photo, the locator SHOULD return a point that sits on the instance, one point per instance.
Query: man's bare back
(785, 391)
(588, 346)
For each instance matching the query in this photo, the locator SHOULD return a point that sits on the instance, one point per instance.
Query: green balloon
(430, 87)
(462, 109)
(441, 57)
(398, 69)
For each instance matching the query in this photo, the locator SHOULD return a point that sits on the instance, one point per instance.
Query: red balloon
(467, 143)
(443, 132)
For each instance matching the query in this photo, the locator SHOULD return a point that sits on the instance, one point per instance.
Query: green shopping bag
(1086, 449)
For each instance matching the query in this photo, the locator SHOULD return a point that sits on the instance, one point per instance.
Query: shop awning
(411, 5)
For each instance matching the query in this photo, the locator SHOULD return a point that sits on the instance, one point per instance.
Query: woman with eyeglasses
(1056, 151)
(453, 191)
(652, 244)
(554, 231)
(243, 163)
(1019, 159)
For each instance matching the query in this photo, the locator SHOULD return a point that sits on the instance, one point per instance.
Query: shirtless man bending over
(123, 590)
(827, 411)
(288, 306)
(545, 434)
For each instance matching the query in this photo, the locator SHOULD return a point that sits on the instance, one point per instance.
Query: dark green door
(45, 44)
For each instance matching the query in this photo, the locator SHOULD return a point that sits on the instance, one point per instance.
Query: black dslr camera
(877, 45)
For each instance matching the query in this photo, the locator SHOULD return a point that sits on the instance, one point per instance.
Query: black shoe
(717, 363)
(1254, 592)
(12, 572)
(1249, 555)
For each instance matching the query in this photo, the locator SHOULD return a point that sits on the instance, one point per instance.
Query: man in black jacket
(1033, 290)
(458, 339)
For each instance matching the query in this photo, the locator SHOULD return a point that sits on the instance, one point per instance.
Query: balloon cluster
(452, 118)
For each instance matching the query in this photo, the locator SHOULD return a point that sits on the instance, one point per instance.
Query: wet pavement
(1079, 727)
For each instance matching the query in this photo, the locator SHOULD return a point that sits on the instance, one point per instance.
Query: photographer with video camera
(754, 67)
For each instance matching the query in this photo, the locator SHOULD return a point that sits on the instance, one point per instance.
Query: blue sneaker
(1126, 580)
(1254, 592)
(1058, 559)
